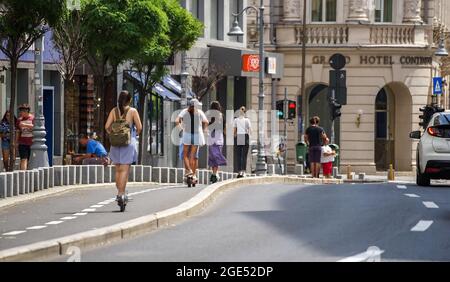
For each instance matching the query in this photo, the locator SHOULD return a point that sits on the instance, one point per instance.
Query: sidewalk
(83, 209)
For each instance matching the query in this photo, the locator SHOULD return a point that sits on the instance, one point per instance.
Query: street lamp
(261, 166)
(39, 156)
(441, 51)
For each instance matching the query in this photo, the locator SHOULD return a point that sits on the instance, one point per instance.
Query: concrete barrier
(131, 174)
(15, 185)
(45, 179)
(92, 174)
(138, 173)
(172, 175)
(3, 186)
(180, 175)
(100, 174)
(22, 182)
(147, 173)
(107, 174)
(51, 177)
(30, 181)
(156, 174)
(72, 175)
(84, 175)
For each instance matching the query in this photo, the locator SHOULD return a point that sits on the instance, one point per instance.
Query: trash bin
(301, 150)
(337, 159)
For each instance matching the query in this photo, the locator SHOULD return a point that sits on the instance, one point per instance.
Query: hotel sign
(382, 60)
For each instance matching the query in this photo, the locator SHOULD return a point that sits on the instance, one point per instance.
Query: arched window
(381, 109)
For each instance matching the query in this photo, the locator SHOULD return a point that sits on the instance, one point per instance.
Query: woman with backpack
(123, 125)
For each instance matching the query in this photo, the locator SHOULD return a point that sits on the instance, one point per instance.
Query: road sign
(437, 85)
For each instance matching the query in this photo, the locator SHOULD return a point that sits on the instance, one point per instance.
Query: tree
(21, 24)
(70, 41)
(183, 31)
(117, 30)
(206, 78)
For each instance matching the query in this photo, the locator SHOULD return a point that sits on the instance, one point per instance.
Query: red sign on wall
(250, 63)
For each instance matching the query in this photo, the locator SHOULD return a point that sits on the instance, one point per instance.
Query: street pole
(333, 98)
(286, 109)
(39, 156)
(184, 76)
(261, 166)
(304, 115)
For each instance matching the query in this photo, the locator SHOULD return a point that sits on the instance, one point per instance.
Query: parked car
(433, 150)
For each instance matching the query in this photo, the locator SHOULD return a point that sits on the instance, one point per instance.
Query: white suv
(433, 151)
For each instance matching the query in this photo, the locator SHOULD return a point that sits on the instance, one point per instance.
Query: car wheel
(422, 179)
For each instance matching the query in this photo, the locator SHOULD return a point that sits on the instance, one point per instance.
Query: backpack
(120, 135)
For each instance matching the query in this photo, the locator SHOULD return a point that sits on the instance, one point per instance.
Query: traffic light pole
(286, 113)
(333, 98)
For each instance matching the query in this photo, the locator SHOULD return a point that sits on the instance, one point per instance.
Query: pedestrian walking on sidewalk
(327, 159)
(24, 136)
(242, 130)
(193, 122)
(215, 140)
(123, 125)
(5, 136)
(315, 136)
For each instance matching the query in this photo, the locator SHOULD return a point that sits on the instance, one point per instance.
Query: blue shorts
(5, 145)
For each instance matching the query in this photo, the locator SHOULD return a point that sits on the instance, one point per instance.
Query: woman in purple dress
(122, 157)
(215, 140)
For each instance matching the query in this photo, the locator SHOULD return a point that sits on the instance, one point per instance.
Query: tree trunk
(12, 148)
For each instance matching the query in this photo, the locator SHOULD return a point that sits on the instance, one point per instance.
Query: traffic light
(280, 109)
(292, 109)
(428, 112)
(335, 108)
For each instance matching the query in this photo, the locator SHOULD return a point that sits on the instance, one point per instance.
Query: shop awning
(175, 86)
(165, 93)
(158, 89)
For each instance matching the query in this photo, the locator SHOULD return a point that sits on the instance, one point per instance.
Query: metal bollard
(391, 174)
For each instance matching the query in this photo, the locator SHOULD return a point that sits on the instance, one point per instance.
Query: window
(216, 19)
(235, 7)
(383, 11)
(381, 116)
(323, 10)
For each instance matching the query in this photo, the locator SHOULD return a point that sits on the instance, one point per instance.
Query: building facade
(389, 46)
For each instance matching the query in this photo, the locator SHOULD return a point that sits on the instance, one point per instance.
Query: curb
(100, 237)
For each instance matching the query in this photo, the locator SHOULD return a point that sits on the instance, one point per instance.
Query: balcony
(354, 35)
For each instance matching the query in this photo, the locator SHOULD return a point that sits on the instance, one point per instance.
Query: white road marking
(423, 225)
(372, 254)
(401, 187)
(56, 222)
(430, 205)
(68, 217)
(96, 206)
(13, 233)
(80, 213)
(36, 227)
(88, 210)
(412, 195)
(105, 203)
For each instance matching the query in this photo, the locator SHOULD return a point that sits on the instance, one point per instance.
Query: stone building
(389, 46)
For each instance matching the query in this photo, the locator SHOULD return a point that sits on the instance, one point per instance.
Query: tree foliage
(21, 24)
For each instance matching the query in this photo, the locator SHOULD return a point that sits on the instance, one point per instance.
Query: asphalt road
(82, 210)
(386, 222)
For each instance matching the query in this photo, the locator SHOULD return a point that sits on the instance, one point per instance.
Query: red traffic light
(292, 105)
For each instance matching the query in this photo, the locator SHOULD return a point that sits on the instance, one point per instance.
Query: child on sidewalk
(327, 159)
